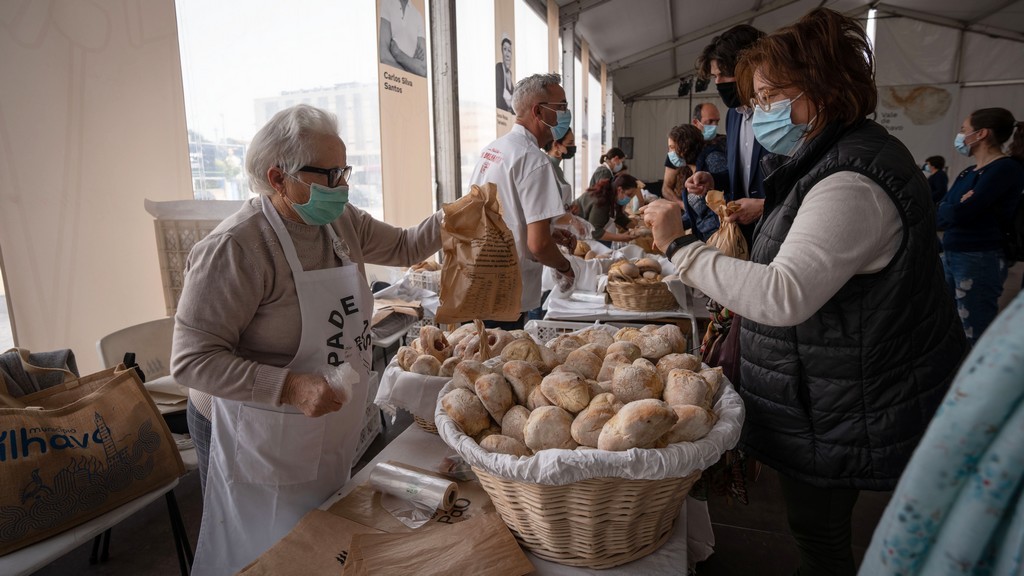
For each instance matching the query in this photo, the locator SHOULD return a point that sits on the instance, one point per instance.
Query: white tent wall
(650, 119)
(92, 122)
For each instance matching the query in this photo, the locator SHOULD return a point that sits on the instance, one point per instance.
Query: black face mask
(570, 151)
(729, 94)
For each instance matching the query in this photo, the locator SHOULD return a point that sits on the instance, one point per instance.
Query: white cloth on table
(414, 393)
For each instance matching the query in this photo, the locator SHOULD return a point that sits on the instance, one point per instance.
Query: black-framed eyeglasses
(557, 106)
(335, 176)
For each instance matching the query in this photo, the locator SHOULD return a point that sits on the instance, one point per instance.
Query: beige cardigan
(238, 324)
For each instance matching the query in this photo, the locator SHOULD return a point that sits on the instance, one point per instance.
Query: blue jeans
(976, 282)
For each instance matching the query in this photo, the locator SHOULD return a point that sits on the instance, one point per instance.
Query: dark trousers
(819, 520)
(513, 325)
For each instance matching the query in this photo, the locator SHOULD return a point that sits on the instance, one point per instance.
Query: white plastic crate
(427, 280)
(545, 330)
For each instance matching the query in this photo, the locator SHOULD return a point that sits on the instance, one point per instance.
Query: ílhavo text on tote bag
(78, 450)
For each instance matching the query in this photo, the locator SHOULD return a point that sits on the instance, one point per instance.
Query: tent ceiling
(649, 44)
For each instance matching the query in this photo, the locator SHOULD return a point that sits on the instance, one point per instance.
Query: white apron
(270, 465)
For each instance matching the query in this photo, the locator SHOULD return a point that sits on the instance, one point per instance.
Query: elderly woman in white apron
(273, 299)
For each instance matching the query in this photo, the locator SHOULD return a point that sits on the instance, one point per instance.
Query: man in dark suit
(503, 81)
(743, 180)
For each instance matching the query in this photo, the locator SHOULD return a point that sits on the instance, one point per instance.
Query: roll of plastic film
(421, 489)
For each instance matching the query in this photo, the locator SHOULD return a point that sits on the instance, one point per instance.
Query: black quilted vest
(842, 399)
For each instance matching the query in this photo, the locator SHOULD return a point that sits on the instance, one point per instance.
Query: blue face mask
(675, 159)
(960, 144)
(775, 130)
(709, 130)
(617, 168)
(563, 121)
(325, 204)
(622, 201)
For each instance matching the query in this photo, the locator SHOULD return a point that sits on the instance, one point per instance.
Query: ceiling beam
(950, 22)
(671, 30)
(573, 10)
(1006, 4)
(697, 35)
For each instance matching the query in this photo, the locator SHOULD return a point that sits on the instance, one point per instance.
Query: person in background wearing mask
(743, 179)
(563, 148)
(938, 181)
(604, 206)
(528, 188)
(712, 157)
(980, 202)
(274, 298)
(849, 339)
(612, 162)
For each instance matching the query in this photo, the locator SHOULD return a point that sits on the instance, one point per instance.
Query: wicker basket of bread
(588, 445)
(639, 286)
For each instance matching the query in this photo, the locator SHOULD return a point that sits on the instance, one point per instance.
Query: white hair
(286, 141)
(532, 90)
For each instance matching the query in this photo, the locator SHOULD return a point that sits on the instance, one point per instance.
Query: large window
(244, 60)
(477, 116)
(6, 334)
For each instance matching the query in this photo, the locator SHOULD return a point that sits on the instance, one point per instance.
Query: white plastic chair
(151, 344)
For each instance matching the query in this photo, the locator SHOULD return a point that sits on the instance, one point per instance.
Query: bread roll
(527, 350)
(674, 336)
(645, 363)
(491, 430)
(648, 265)
(523, 377)
(627, 348)
(466, 410)
(584, 363)
(566, 390)
(637, 425)
(714, 378)
(497, 339)
(501, 444)
(514, 422)
(496, 394)
(631, 383)
(565, 343)
(597, 336)
(460, 333)
(448, 367)
(693, 424)
(652, 345)
(426, 365)
(596, 348)
(686, 387)
(537, 399)
(672, 361)
(466, 373)
(549, 427)
(406, 356)
(432, 341)
(586, 427)
(611, 362)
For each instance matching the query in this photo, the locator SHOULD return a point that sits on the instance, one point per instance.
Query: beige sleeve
(387, 245)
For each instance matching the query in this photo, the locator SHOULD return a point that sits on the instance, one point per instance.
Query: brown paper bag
(482, 545)
(319, 544)
(480, 276)
(78, 450)
(362, 505)
(728, 239)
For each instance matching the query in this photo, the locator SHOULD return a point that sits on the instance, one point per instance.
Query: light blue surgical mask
(563, 121)
(325, 205)
(675, 159)
(617, 168)
(623, 201)
(960, 143)
(775, 130)
(709, 130)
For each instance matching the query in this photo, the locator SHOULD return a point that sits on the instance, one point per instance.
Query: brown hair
(689, 142)
(1001, 125)
(825, 54)
(726, 48)
(605, 189)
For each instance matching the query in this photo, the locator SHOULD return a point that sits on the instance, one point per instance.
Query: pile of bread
(639, 271)
(583, 250)
(635, 388)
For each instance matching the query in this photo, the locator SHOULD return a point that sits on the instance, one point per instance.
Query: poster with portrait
(404, 111)
(922, 116)
(505, 66)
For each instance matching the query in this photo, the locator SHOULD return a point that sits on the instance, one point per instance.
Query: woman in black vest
(849, 338)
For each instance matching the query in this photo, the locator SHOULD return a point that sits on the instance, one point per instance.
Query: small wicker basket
(641, 297)
(427, 425)
(597, 523)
